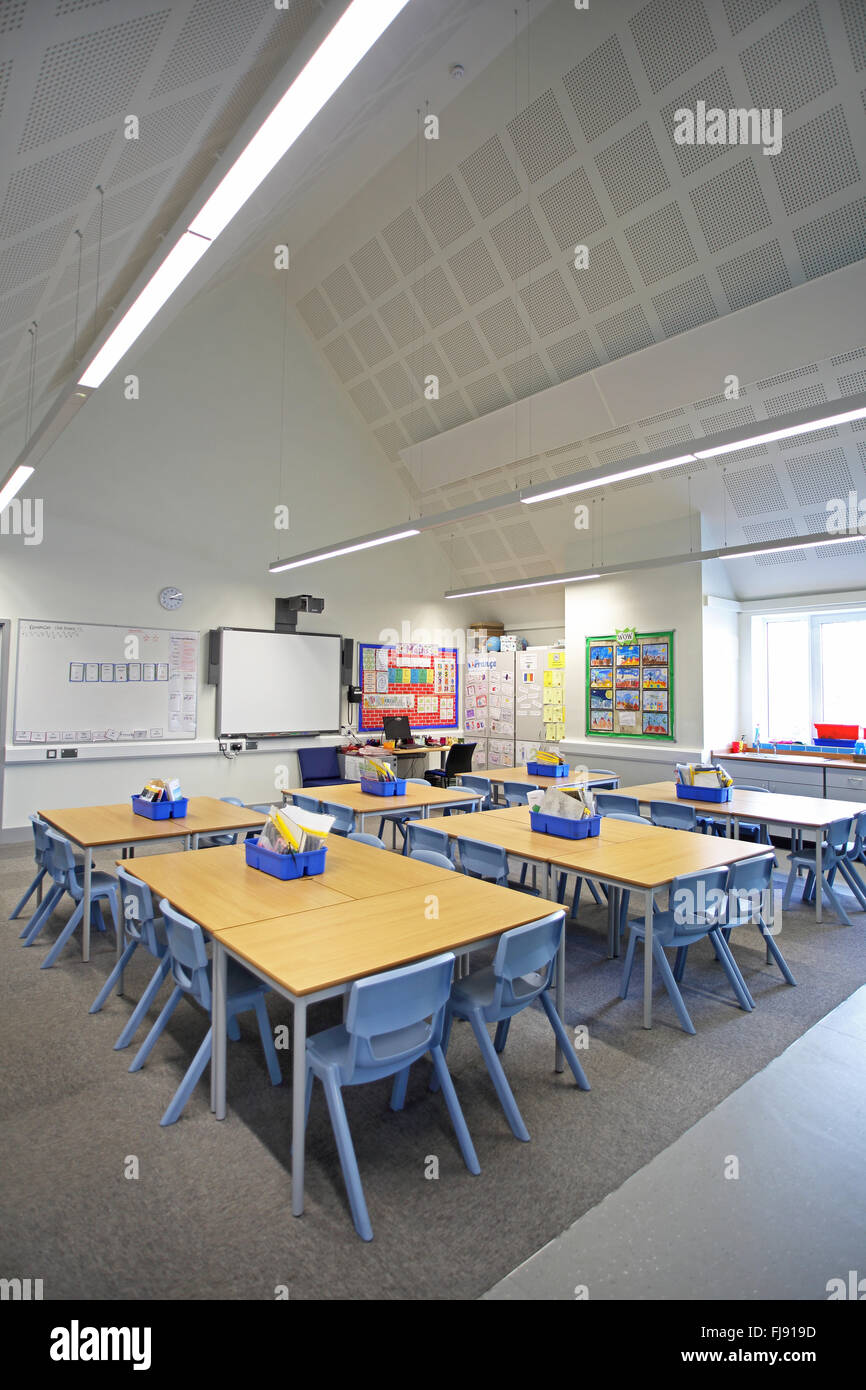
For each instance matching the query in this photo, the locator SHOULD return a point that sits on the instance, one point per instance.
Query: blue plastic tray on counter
(704, 793)
(547, 769)
(161, 810)
(285, 866)
(566, 829)
(375, 788)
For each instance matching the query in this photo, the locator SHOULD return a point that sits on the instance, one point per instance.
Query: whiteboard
(278, 683)
(96, 683)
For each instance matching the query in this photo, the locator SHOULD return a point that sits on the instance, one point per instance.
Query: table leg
(559, 999)
(613, 902)
(218, 1023)
(819, 866)
(648, 960)
(299, 1087)
(736, 827)
(85, 922)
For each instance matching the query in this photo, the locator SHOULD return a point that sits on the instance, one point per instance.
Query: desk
(99, 827)
(644, 858)
(498, 775)
(813, 813)
(417, 798)
(407, 762)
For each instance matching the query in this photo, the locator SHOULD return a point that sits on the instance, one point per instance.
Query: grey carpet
(209, 1215)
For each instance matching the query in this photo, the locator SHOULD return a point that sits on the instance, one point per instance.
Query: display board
(408, 678)
(81, 683)
(630, 685)
(541, 694)
(278, 683)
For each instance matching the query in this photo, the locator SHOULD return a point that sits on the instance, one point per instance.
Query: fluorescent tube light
(744, 552)
(161, 285)
(17, 479)
(787, 433)
(314, 556)
(529, 584)
(350, 39)
(596, 482)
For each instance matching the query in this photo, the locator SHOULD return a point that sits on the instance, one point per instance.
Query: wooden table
(417, 798)
(498, 775)
(321, 937)
(644, 858)
(100, 827)
(811, 813)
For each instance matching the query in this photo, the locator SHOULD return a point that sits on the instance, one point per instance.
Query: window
(808, 668)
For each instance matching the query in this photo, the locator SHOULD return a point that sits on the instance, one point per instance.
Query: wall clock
(170, 597)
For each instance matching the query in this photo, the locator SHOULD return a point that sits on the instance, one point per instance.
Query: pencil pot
(567, 829)
(285, 866)
(704, 793)
(374, 788)
(547, 769)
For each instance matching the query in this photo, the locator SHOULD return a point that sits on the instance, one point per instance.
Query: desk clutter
(292, 843)
(570, 813)
(703, 782)
(160, 800)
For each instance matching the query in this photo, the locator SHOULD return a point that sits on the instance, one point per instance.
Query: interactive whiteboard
(94, 683)
(278, 683)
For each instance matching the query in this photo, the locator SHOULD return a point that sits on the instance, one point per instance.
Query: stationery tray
(586, 827)
(547, 769)
(160, 810)
(374, 788)
(704, 793)
(285, 866)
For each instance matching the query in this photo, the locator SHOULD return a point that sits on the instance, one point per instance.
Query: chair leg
(147, 1046)
(308, 1096)
(447, 1021)
(672, 988)
(398, 1090)
(777, 954)
(499, 1079)
(461, 1129)
(62, 939)
(789, 887)
(267, 1038)
(501, 1035)
(836, 904)
(37, 882)
(725, 957)
(190, 1081)
(115, 975)
(348, 1161)
(233, 1028)
(854, 883)
(35, 923)
(97, 920)
(680, 962)
(628, 964)
(564, 1041)
(130, 1028)
(594, 891)
(809, 887)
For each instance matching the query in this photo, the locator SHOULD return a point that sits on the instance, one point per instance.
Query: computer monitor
(396, 727)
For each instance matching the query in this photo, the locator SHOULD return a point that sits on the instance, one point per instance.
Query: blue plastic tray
(374, 788)
(704, 793)
(285, 865)
(161, 810)
(547, 769)
(587, 826)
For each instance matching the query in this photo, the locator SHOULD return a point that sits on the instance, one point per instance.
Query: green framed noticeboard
(630, 686)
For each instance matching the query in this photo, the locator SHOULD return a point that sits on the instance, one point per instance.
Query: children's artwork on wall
(601, 656)
(413, 679)
(630, 685)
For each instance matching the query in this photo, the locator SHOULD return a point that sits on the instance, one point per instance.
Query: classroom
(433, 655)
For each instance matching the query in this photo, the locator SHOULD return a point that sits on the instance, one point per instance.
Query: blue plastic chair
(399, 818)
(391, 1021)
(750, 884)
(834, 856)
(142, 927)
(521, 972)
(519, 793)
(673, 815)
(306, 803)
(420, 834)
(191, 972)
(431, 856)
(40, 853)
(230, 837)
(320, 767)
(605, 802)
(473, 783)
(594, 773)
(68, 877)
(679, 926)
(490, 862)
(364, 839)
(758, 834)
(855, 854)
(344, 817)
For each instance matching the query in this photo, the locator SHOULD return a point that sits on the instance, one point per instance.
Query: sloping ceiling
(567, 140)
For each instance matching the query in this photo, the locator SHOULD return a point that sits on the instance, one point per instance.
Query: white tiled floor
(793, 1219)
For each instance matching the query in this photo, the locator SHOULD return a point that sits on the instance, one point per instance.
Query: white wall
(179, 487)
(721, 671)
